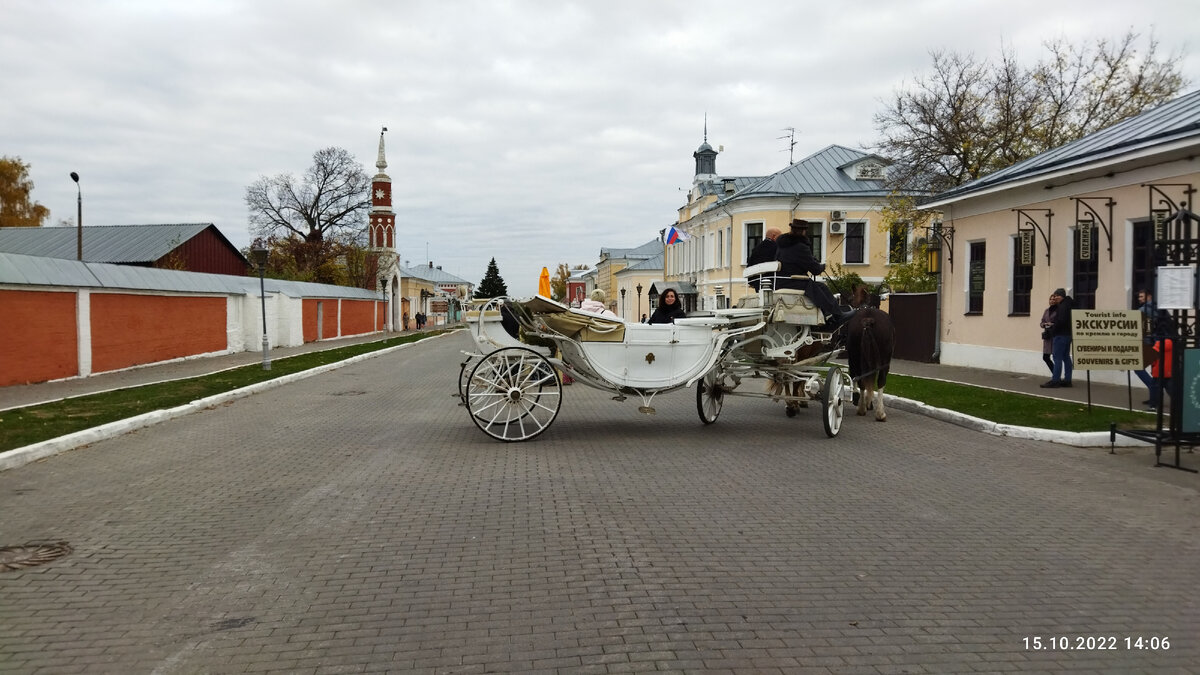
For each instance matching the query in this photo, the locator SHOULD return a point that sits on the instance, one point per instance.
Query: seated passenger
(669, 308)
(796, 258)
(763, 252)
(595, 304)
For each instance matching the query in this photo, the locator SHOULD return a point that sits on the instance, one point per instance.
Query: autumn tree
(323, 212)
(17, 208)
(967, 118)
(492, 285)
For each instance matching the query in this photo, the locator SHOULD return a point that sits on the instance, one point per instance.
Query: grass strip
(32, 424)
(1013, 408)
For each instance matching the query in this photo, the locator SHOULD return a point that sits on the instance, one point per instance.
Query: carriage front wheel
(513, 394)
(709, 396)
(831, 401)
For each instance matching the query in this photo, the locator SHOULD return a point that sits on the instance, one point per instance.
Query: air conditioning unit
(837, 227)
(837, 215)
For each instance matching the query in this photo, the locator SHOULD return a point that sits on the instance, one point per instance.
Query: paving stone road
(357, 521)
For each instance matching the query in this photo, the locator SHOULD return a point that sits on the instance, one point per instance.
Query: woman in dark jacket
(669, 308)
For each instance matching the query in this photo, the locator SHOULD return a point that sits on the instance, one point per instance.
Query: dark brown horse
(870, 340)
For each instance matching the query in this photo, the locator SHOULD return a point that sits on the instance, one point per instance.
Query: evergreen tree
(492, 285)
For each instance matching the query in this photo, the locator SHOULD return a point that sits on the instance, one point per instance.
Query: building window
(1086, 269)
(720, 248)
(1142, 257)
(898, 244)
(975, 277)
(1022, 279)
(754, 236)
(856, 241)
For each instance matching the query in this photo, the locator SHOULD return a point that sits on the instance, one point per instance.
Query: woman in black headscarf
(669, 308)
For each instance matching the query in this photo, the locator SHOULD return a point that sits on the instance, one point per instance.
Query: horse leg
(880, 413)
(866, 393)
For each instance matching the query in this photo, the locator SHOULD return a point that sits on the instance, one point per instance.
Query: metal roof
(1174, 121)
(22, 270)
(649, 264)
(647, 250)
(821, 173)
(432, 274)
(106, 243)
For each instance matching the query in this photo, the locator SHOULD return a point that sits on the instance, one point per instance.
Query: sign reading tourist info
(1107, 339)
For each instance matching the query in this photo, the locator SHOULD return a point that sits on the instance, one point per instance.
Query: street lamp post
(78, 218)
(622, 303)
(259, 255)
(639, 292)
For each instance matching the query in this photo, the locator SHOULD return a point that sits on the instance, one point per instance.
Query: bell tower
(381, 229)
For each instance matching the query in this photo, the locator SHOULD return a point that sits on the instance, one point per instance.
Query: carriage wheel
(831, 401)
(709, 396)
(513, 394)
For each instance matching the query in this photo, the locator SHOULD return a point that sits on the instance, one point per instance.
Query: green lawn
(24, 426)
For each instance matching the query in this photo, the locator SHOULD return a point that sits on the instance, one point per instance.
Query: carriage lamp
(639, 292)
(623, 302)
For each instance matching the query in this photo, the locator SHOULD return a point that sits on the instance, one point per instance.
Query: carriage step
(646, 410)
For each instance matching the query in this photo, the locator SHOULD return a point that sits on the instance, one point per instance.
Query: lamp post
(78, 218)
(639, 292)
(622, 303)
(259, 253)
(387, 315)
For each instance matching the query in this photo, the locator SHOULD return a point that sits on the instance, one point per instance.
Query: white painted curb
(1090, 439)
(32, 453)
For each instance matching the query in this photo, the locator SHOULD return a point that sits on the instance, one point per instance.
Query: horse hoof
(791, 412)
(881, 419)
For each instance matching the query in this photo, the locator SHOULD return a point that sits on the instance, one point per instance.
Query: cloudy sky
(536, 132)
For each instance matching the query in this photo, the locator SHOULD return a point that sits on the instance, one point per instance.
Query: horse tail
(871, 359)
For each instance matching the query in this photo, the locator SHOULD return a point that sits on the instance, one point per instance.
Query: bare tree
(967, 118)
(330, 201)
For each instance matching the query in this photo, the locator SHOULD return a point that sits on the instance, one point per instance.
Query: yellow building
(839, 188)
(1084, 217)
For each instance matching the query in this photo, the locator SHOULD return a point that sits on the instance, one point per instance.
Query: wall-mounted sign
(1176, 287)
(1085, 239)
(1107, 339)
(1026, 246)
(1159, 216)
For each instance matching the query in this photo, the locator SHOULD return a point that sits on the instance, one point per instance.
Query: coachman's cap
(798, 224)
(1060, 292)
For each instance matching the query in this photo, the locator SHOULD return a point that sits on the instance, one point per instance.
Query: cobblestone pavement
(359, 522)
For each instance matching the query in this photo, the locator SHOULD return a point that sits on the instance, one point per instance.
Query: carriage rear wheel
(513, 394)
(709, 396)
(831, 401)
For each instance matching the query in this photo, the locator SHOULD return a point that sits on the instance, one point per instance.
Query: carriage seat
(793, 306)
(585, 326)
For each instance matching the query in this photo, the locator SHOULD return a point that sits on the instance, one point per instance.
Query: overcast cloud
(534, 132)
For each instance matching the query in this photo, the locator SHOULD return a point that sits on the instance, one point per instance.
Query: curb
(31, 453)
(1089, 439)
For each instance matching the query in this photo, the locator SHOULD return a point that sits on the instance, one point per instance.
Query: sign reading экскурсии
(1107, 339)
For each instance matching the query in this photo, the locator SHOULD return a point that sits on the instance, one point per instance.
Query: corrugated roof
(21, 270)
(107, 243)
(647, 250)
(1170, 122)
(821, 173)
(649, 264)
(431, 274)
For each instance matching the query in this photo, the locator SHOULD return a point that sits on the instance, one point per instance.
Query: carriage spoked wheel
(513, 394)
(709, 396)
(831, 401)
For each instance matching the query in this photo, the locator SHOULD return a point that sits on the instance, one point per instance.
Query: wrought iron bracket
(1159, 197)
(1086, 213)
(1025, 221)
(942, 234)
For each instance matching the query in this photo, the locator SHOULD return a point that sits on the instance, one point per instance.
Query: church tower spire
(381, 230)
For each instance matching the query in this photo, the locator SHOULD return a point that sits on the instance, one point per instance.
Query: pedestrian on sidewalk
(1060, 346)
(1047, 331)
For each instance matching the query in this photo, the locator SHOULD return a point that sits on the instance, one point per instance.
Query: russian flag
(675, 236)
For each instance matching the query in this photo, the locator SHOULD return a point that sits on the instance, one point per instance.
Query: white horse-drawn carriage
(512, 390)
